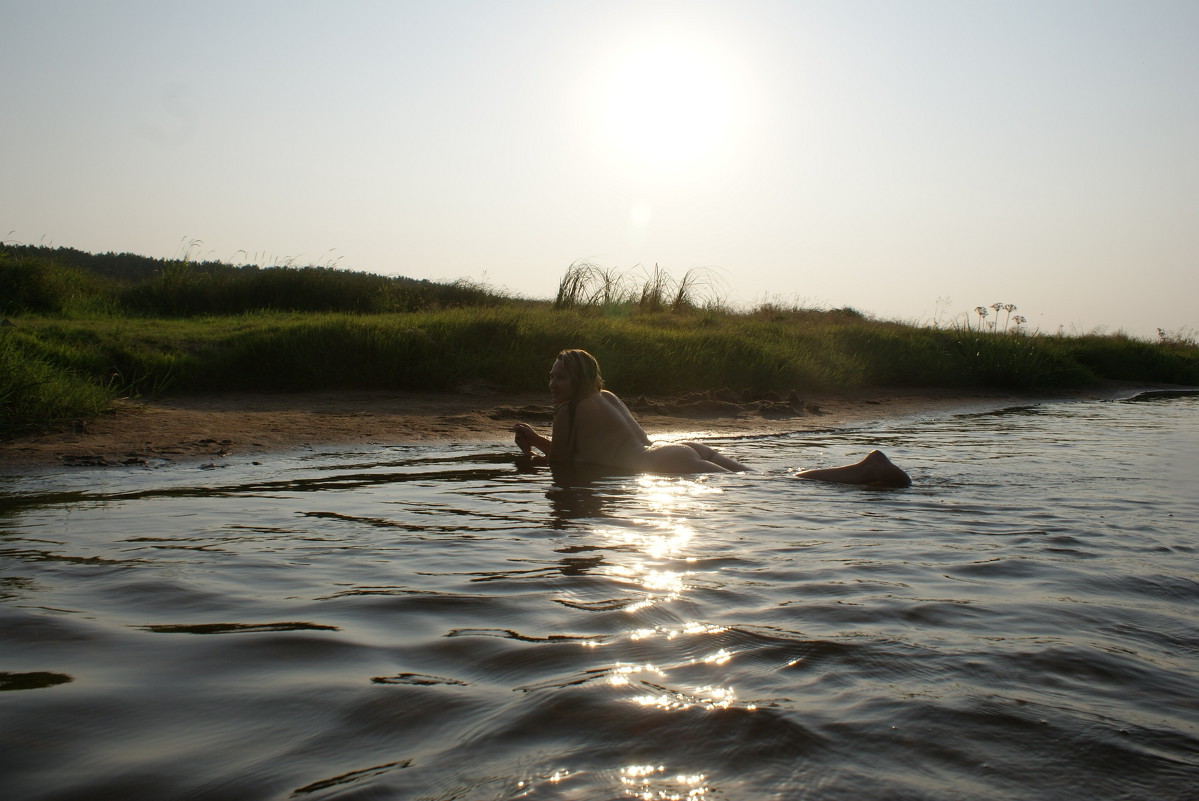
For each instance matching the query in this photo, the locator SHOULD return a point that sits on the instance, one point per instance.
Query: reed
(588, 285)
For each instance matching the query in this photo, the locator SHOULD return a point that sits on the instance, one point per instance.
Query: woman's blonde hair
(584, 372)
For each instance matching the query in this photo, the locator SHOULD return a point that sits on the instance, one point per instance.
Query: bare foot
(875, 469)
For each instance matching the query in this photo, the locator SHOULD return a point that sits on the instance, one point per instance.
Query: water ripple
(435, 624)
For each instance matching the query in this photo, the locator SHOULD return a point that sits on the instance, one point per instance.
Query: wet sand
(211, 427)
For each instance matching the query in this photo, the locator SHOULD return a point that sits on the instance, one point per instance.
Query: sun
(666, 103)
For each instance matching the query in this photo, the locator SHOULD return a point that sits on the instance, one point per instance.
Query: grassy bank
(83, 338)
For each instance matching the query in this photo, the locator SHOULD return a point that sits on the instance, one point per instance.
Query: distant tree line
(69, 282)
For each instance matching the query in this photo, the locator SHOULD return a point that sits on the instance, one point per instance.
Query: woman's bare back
(604, 432)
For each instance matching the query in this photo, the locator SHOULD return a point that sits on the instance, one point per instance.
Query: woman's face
(561, 387)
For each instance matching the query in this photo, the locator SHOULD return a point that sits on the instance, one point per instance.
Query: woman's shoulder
(602, 396)
(598, 405)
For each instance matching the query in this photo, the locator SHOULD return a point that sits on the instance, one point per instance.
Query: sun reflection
(664, 581)
(659, 582)
(526, 787)
(719, 658)
(672, 543)
(670, 492)
(659, 541)
(707, 697)
(655, 690)
(619, 676)
(653, 783)
(640, 771)
(662, 539)
(637, 606)
(691, 628)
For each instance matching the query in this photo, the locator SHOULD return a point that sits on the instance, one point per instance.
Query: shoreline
(214, 427)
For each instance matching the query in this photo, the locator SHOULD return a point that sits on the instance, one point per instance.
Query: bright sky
(910, 159)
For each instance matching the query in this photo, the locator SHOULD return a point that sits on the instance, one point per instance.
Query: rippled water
(416, 623)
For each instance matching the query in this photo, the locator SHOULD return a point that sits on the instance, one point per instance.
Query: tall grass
(587, 285)
(35, 391)
(73, 349)
(510, 347)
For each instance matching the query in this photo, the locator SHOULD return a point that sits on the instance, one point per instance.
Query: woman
(592, 425)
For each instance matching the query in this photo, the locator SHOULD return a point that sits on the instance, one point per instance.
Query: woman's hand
(525, 437)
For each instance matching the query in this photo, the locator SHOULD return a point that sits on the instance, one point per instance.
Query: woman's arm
(527, 439)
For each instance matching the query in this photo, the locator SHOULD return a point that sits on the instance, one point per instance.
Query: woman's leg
(875, 468)
(715, 457)
(677, 457)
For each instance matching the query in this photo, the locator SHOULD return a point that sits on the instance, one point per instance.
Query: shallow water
(417, 623)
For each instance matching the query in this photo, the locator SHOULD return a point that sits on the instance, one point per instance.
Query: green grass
(80, 341)
(36, 390)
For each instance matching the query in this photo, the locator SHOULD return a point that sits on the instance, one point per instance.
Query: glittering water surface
(1022, 623)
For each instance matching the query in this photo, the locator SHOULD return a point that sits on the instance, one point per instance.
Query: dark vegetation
(84, 329)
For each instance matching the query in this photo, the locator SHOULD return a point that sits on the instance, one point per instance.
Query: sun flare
(665, 103)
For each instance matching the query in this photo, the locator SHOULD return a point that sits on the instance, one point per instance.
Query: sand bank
(214, 427)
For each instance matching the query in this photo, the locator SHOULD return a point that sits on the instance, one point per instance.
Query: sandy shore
(214, 427)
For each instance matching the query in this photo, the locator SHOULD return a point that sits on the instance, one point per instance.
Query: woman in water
(593, 426)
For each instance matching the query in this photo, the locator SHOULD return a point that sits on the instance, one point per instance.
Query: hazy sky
(910, 159)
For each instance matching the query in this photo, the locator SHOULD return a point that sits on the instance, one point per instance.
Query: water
(429, 623)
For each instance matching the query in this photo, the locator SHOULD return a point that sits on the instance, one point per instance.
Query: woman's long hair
(585, 378)
(584, 372)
